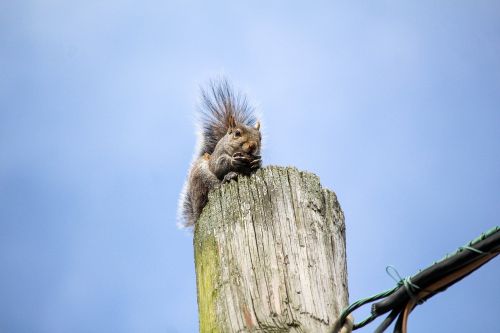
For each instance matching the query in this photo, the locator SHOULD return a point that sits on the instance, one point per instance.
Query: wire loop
(409, 286)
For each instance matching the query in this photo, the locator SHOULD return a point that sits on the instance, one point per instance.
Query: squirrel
(229, 146)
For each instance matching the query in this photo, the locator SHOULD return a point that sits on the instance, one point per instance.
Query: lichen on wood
(270, 255)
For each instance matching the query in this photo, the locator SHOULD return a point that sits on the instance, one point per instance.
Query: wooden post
(270, 255)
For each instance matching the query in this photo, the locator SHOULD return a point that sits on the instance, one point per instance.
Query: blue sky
(394, 105)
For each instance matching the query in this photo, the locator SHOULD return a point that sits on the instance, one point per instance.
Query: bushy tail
(219, 103)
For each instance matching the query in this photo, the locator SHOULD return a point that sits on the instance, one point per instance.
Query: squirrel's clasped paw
(256, 163)
(240, 160)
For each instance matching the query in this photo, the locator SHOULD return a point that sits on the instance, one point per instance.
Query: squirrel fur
(230, 143)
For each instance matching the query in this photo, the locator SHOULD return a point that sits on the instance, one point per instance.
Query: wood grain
(270, 255)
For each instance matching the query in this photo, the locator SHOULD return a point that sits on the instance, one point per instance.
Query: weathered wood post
(270, 255)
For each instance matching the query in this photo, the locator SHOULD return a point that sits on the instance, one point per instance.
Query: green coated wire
(388, 292)
(469, 245)
(362, 302)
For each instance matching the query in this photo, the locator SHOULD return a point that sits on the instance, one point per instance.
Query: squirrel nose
(251, 146)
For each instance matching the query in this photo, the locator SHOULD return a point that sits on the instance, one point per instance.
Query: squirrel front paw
(229, 176)
(239, 160)
(256, 163)
(245, 161)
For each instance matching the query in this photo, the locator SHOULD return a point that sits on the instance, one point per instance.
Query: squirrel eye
(237, 133)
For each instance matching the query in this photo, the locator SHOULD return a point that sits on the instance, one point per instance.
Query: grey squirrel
(230, 143)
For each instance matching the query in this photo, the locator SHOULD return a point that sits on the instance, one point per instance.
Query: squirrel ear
(231, 122)
(257, 126)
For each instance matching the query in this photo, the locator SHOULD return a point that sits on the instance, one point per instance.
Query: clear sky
(395, 105)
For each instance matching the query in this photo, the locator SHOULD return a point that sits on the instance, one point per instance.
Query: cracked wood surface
(270, 255)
